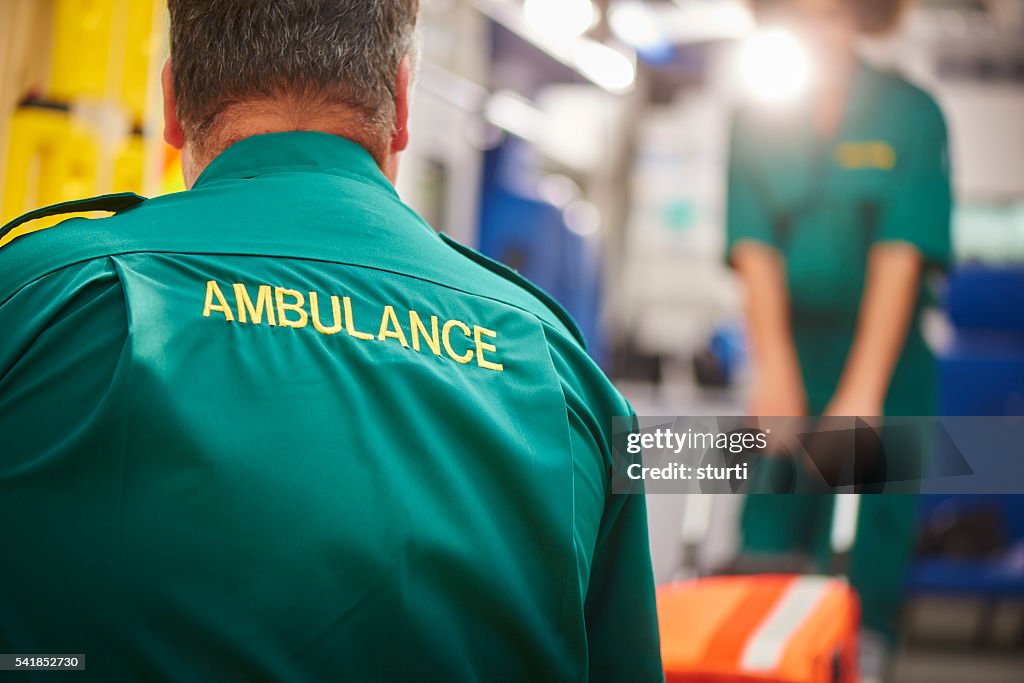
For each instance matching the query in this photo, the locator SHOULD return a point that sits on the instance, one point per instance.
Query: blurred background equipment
(767, 629)
(971, 548)
(584, 142)
(80, 112)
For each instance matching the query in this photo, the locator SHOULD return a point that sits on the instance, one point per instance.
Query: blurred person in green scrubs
(838, 203)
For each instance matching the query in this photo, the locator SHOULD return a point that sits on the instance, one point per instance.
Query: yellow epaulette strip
(48, 222)
(48, 216)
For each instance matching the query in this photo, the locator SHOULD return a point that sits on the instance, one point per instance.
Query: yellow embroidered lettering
(350, 323)
(296, 306)
(246, 311)
(389, 327)
(212, 292)
(884, 156)
(482, 346)
(868, 154)
(446, 332)
(314, 309)
(432, 338)
(283, 307)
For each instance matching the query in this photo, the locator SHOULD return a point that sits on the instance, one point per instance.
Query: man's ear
(173, 133)
(403, 83)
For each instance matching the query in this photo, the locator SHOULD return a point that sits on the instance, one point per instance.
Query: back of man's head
(305, 57)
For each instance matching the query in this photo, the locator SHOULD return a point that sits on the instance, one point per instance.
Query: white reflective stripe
(844, 522)
(767, 644)
(696, 518)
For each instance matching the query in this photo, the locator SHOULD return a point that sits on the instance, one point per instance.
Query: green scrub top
(824, 203)
(277, 428)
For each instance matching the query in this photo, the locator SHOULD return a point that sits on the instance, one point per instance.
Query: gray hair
(313, 52)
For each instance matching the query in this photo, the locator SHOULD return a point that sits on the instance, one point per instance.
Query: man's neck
(246, 119)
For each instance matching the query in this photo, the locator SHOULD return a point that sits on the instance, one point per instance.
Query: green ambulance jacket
(277, 429)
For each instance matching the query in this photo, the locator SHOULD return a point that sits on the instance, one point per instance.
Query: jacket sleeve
(62, 339)
(621, 614)
(920, 206)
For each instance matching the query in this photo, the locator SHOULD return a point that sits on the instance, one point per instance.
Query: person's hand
(853, 403)
(844, 448)
(779, 401)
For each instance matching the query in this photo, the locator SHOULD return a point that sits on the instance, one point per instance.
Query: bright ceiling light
(695, 22)
(636, 24)
(774, 66)
(609, 68)
(560, 17)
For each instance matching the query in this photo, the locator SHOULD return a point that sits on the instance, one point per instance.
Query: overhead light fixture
(605, 66)
(556, 27)
(567, 18)
(636, 24)
(514, 114)
(696, 21)
(774, 66)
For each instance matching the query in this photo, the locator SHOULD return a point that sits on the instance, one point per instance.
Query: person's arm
(886, 310)
(777, 383)
(616, 576)
(752, 250)
(61, 343)
(620, 610)
(914, 233)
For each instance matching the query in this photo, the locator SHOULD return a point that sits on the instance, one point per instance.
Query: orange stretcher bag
(778, 628)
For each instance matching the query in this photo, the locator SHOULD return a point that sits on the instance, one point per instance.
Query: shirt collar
(294, 152)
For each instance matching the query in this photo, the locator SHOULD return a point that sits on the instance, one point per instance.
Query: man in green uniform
(837, 204)
(277, 428)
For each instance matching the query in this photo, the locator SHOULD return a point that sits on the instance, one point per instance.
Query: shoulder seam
(503, 271)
